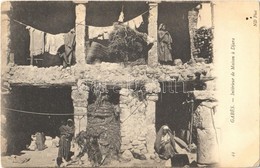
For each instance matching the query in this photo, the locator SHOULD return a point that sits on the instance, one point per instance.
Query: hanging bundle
(125, 44)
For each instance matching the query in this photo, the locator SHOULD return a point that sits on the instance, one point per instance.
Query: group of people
(164, 144)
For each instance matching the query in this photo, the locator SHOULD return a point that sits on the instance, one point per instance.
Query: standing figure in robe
(164, 45)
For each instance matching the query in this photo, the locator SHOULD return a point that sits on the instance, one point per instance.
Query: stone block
(125, 92)
(141, 138)
(123, 106)
(144, 151)
(80, 103)
(141, 146)
(124, 100)
(203, 95)
(136, 151)
(142, 108)
(136, 143)
(125, 147)
(75, 95)
(80, 110)
(125, 141)
(177, 62)
(152, 97)
(127, 155)
(152, 87)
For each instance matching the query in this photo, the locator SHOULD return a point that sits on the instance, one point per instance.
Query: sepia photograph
(120, 84)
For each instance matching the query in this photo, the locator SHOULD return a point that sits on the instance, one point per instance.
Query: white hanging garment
(36, 41)
(54, 42)
(121, 16)
(135, 23)
(95, 32)
(204, 17)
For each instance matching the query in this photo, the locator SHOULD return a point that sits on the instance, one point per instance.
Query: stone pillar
(206, 126)
(152, 32)
(193, 19)
(150, 122)
(132, 124)
(80, 31)
(5, 31)
(79, 96)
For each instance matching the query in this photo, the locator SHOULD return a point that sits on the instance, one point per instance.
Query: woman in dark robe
(66, 135)
(164, 45)
(164, 143)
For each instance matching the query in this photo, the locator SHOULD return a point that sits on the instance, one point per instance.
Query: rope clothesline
(80, 23)
(61, 114)
(37, 113)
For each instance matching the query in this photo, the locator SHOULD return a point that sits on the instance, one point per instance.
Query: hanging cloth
(36, 41)
(53, 42)
(95, 32)
(135, 23)
(121, 16)
(204, 17)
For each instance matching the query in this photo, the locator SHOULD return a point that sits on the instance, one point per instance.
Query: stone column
(5, 20)
(80, 31)
(193, 19)
(79, 96)
(152, 32)
(150, 122)
(5, 37)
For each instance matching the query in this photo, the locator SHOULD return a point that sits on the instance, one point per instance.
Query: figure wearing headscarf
(164, 44)
(67, 133)
(164, 144)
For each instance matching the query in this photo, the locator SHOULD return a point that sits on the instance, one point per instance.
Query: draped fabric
(36, 41)
(53, 42)
(164, 144)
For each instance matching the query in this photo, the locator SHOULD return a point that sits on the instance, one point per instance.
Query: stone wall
(117, 73)
(138, 119)
(133, 126)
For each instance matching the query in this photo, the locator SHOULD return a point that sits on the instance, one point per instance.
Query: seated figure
(164, 143)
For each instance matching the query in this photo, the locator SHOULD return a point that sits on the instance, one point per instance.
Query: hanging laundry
(53, 42)
(70, 42)
(204, 17)
(135, 23)
(36, 41)
(95, 32)
(121, 16)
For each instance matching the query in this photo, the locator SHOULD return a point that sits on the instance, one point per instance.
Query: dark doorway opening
(20, 125)
(172, 110)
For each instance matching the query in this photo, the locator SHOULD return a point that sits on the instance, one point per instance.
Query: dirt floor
(46, 158)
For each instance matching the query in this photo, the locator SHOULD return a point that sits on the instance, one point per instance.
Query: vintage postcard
(130, 83)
